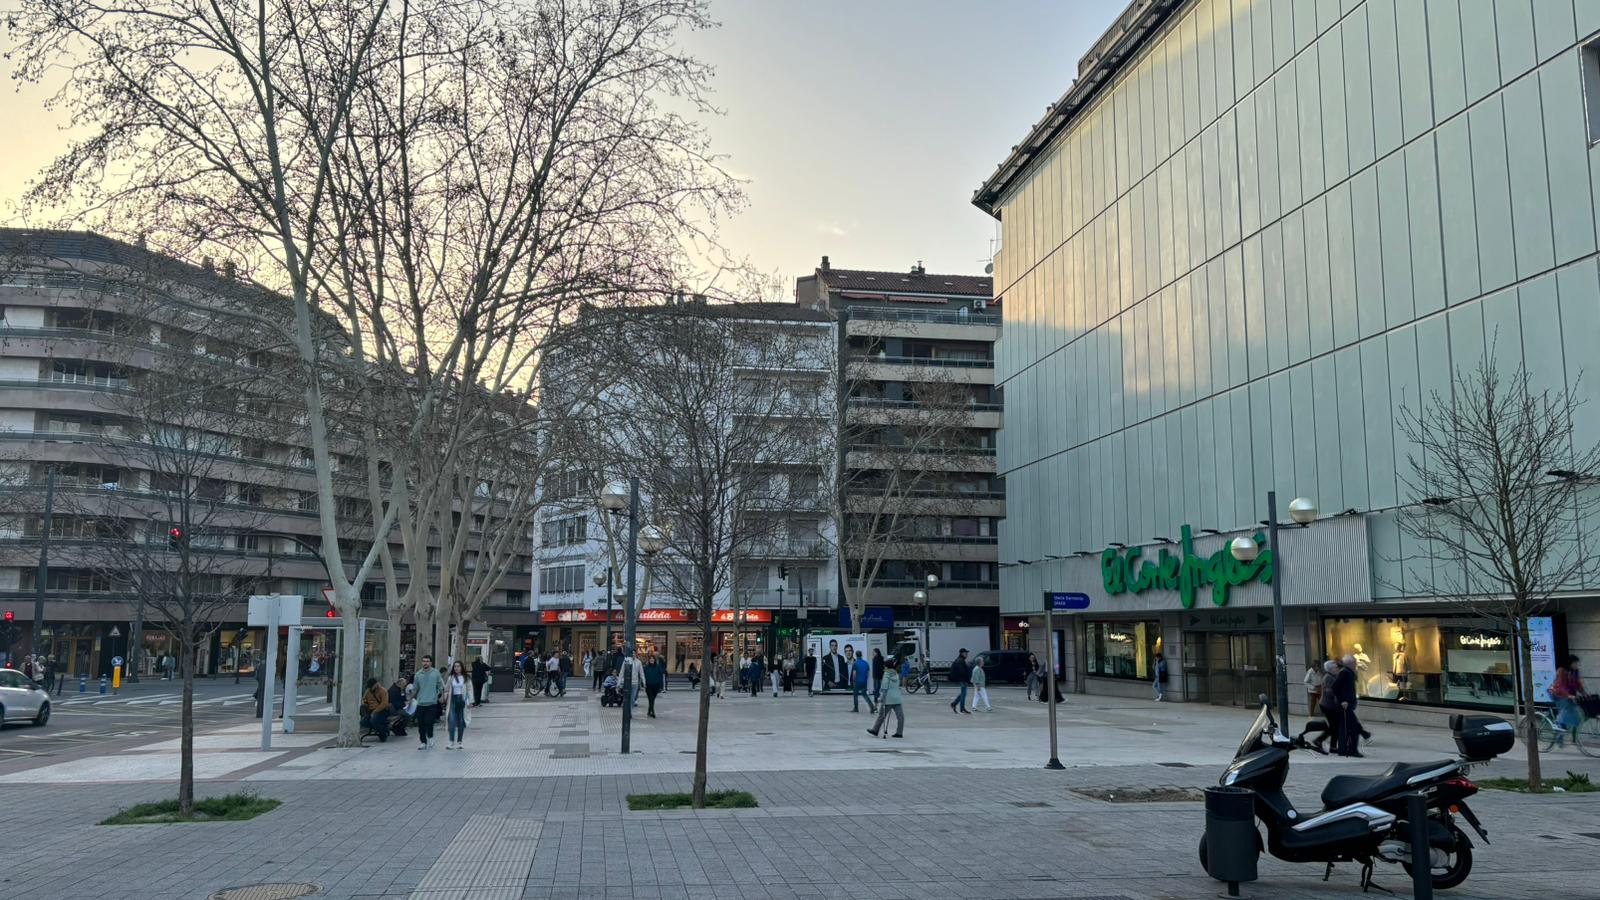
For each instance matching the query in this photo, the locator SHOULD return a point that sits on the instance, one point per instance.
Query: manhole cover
(267, 892)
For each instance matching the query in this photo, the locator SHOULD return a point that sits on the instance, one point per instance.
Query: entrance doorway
(1228, 668)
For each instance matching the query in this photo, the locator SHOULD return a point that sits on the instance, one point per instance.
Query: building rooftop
(915, 281)
(1096, 70)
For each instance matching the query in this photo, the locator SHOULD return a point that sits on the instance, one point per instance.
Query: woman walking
(889, 700)
(1328, 707)
(655, 678)
(1034, 677)
(980, 685)
(1566, 691)
(459, 688)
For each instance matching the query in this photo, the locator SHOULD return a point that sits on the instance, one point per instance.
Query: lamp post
(617, 498)
(1244, 549)
(926, 596)
(603, 579)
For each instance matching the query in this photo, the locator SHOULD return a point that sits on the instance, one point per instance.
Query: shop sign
(1127, 572)
(872, 617)
(1481, 641)
(1542, 650)
(665, 615)
(568, 616)
(747, 615)
(1228, 621)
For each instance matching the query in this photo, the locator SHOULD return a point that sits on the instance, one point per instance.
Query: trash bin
(1231, 838)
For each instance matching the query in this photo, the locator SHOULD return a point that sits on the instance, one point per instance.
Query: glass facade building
(1249, 236)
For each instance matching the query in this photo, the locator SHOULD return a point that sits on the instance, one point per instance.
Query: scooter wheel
(1458, 864)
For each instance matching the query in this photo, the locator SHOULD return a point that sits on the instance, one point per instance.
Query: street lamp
(1243, 548)
(619, 498)
(926, 597)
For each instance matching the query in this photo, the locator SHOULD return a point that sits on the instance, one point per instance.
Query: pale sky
(862, 127)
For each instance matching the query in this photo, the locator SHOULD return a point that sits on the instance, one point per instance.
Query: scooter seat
(1343, 790)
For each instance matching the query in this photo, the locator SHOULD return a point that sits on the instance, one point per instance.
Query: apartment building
(918, 352)
(82, 318)
(779, 579)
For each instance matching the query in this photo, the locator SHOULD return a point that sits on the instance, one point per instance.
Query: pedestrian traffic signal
(783, 573)
(174, 537)
(331, 614)
(10, 615)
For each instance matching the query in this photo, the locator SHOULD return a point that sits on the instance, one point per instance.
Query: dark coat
(960, 671)
(480, 671)
(1344, 687)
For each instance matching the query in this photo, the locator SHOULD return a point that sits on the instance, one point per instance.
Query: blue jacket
(863, 671)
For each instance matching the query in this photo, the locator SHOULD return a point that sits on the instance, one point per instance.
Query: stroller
(611, 691)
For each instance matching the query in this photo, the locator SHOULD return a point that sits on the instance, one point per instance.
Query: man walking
(860, 681)
(429, 691)
(752, 674)
(480, 677)
(1344, 694)
(890, 701)
(961, 674)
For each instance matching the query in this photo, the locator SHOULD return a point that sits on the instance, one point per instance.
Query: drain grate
(267, 892)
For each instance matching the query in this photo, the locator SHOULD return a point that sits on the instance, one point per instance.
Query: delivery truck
(947, 642)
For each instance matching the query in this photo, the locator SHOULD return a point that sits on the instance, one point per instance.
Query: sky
(861, 127)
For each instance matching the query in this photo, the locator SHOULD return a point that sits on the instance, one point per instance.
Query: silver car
(22, 699)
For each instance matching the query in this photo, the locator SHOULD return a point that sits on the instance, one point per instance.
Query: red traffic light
(331, 614)
(175, 531)
(10, 615)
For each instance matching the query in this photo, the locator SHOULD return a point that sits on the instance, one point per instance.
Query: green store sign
(1128, 572)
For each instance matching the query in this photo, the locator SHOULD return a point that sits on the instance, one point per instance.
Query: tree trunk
(391, 647)
(348, 605)
(1530, 738)
(441, 635)
(186, 743)
(425, 612)
(703, 728)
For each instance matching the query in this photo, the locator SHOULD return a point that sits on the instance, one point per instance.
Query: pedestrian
(1313, 682)
(461, 696)
(1567, 692)
(375, 710)
(552, 673)
(775, 675)
(655, 679)
(429, 694)
(49, 673)
(752, 675)
(635, 667)
(530, 673)
(744, 673)
(877, 673)
(1160, 680)
(480, 677)
(261, 684)
(1344, 693)
(860, 680)
(890, 700)
(399, 693)
(1328, 707)
(961, 674)
(694, 676)
(597, 669)
(1034, 678)
(980, 684)
(810, 670)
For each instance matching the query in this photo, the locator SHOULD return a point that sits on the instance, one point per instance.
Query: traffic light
(174, 537)
(10, 616)
(331, 614)
(783, 573)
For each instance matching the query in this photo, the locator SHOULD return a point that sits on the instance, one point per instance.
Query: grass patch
(1573, 783)
(227, 808)
(714, 800)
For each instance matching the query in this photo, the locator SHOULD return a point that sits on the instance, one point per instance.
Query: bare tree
(710, 407)
(1502, 487)
(436, 177)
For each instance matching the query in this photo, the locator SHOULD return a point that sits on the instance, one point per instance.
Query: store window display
(1123, 649)
(1459, 661)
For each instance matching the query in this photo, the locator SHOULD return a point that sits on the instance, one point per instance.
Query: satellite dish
(988, 268)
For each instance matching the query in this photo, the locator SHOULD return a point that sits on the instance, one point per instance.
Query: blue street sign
(1065, 600)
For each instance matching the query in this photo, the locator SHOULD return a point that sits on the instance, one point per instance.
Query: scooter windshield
(1254, 739)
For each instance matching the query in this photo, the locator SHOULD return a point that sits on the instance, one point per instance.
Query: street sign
(1059, 600)
(115, 632)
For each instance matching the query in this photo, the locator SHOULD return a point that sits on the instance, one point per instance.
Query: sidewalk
(535, 808)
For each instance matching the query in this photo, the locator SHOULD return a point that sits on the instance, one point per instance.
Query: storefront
(1014, 633)
(675, 634)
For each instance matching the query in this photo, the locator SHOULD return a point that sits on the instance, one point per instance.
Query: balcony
(929, 316)
(944, 362)
(770, 599)
(788, 549)
(881, 403)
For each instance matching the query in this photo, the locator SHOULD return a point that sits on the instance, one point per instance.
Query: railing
(919, 584)
(931, 316)
(883, 403)
(770, 599)
(786, 549)
(111, 440)
(944, 539)
(877, 492)
(931, 451)
(945, 362)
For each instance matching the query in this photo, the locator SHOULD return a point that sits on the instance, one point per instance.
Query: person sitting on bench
(375, 710)
(399, 693)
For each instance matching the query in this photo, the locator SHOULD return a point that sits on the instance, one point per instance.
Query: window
(516, 598)
(561, 579)
(1591, 90)
(1461, 661)
(563, 532)
(752, 578)
(252, 494)
(1123, 649)
(564, 485)
(79, 580)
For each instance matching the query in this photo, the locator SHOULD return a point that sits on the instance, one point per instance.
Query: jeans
(456, 725)
(1567, 715)
(859, 693)
(1161, 689)
(427, 714)
(883, 716)
(960, 702)
(755, 684)
(378, 721)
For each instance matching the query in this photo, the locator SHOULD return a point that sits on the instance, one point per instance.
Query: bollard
(116, 679)
(103, 682)
(1421, 851)
(83, 684)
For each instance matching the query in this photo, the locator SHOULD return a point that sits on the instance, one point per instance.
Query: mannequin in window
(1401, 666)
(1363, 661)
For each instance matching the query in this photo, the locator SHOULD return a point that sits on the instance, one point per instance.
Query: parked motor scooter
(1363, 818)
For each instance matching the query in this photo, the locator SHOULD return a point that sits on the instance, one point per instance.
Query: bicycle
(1586, 736)
(922, 680)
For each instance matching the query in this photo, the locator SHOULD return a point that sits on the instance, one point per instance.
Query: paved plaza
(534, 808)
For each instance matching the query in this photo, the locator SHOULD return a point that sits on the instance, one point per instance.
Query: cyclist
(1566, 691)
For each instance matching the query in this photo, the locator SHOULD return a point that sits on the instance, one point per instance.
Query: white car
(22, 698)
